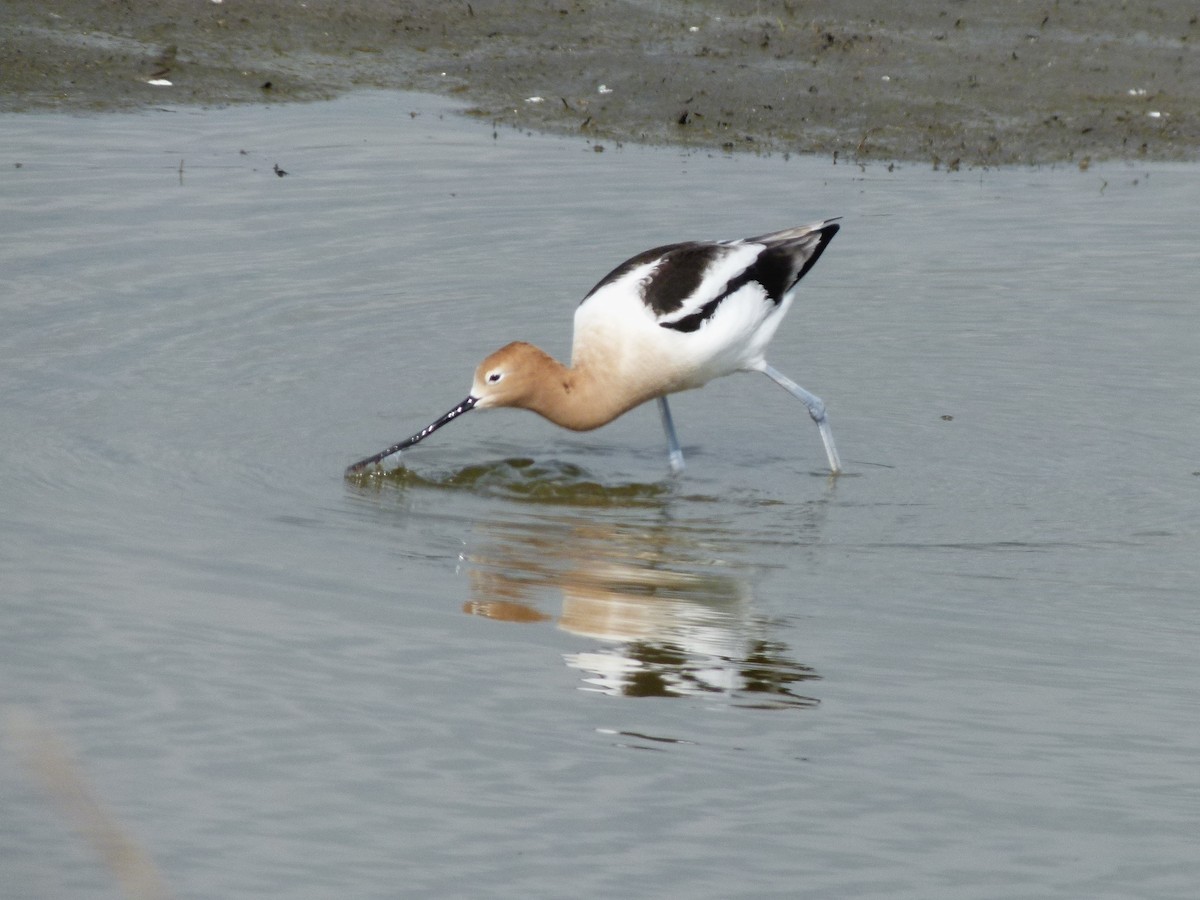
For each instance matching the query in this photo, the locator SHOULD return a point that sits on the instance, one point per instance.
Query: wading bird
(667, 320)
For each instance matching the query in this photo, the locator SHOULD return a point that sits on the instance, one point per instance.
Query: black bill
(464, 407)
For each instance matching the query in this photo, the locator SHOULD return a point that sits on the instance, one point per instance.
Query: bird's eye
(493, 377)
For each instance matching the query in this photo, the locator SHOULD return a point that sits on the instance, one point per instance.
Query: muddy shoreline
(954, 83)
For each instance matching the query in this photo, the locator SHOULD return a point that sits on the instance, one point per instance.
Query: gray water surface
(530, 663)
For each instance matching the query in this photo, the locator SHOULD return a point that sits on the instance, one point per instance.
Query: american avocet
(669, 319)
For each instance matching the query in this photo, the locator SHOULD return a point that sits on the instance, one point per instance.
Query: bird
(667, 320)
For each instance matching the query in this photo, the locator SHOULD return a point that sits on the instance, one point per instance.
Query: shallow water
(530, 663)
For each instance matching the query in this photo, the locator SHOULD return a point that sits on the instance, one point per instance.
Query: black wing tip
(825, 229)
(825, 235)
(803, 244)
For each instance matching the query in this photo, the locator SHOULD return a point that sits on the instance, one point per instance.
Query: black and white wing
(683, 285)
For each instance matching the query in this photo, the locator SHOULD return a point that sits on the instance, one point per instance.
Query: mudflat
(951, 82)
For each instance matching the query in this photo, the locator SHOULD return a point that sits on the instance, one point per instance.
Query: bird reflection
(668, 619)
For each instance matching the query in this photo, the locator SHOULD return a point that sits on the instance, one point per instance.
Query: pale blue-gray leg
(674, 451)
(816, 409)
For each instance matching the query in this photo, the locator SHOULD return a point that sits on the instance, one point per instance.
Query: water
(530, 663)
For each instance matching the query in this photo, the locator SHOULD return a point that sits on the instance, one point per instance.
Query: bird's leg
(674, 451)
(816, 409)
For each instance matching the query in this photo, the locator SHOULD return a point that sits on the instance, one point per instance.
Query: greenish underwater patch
(548, 482)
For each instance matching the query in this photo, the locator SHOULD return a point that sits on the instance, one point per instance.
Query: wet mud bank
(954, 83)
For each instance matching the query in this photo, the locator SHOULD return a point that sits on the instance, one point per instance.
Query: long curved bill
(464, 407)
